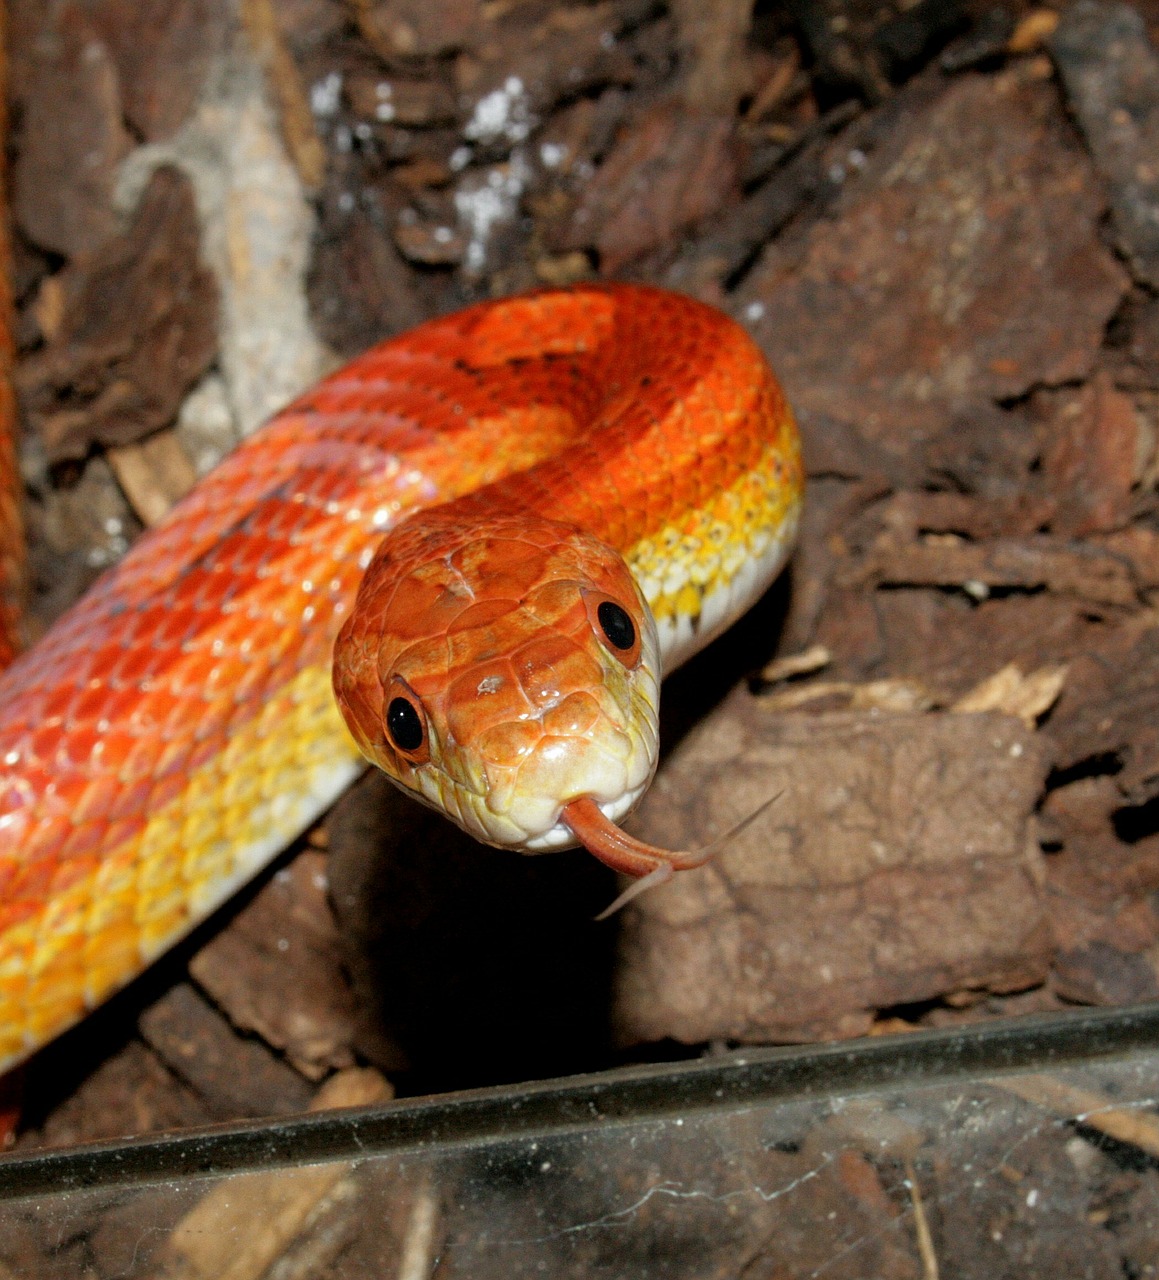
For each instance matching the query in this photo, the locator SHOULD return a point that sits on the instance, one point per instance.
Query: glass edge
(740, 1078)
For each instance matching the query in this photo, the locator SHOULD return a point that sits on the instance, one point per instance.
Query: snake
(469, 556)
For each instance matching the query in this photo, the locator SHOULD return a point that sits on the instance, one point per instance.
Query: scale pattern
(177, 727)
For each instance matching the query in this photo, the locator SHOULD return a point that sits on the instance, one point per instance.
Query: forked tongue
(620, 851)
(617, 849)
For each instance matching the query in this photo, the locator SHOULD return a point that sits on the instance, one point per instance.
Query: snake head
(499, 670)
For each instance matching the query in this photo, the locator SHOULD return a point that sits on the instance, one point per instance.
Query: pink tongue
(619, 850)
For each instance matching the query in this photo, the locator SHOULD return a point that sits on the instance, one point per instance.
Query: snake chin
(561, 836)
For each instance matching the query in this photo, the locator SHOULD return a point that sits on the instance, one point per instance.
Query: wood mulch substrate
(940, 222)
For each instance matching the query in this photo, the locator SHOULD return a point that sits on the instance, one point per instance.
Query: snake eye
(615, 627)
(406, 722)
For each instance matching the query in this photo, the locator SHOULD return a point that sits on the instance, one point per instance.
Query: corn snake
(178, 727)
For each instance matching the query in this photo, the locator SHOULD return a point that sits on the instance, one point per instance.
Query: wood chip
(895, 866)
(874, 326)
(1109, 69)
(713, 35)
(1091, 453)
(975, 567)
(925, 1239)
(73, 138)
(241, 1228)
(139, 328)
(235, 1077)
(277, 970)
(1138, 1129)
(797, 664)
(895, 694)
(671, 169)
(154, 474)
(1008, 691)
(1032, 31)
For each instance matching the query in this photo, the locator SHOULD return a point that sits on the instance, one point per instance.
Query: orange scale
(248, 683)
(198, 673)
(12, 992)
(426, 607)
(9, 870)
(134, 663)
(213, 607)
(213, 720)
(418, 663)
(508, 566)
(235, 632)
(283, 643)
(142, 754)
(100, 660)
(208, 748)
(128, 810)
(194, 717)
(58, 703)
(552, 666)
(463, 651)
(141, 626)
(483, 696)
(43, 743)
(18, 791)
(166, 788)
(97, 800)
(539, 325)
(507, 745)
(81, 853)
(559, 605)
(263, 600)
(16, 911)
(177, 625)
(79, 745)
(574, 717)
(270, 523)
(29, 889)
(157, 708)
(199, 580)
(122, 701)
(114, 953)
(475, 629)
(253, 557)
(62, 1003)
(67, 790)
(110, 956)
(172, 749)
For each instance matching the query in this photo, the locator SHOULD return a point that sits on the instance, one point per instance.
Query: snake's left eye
(615, 627)
(406, 722)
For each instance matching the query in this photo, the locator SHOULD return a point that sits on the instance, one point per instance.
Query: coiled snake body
(178, 726)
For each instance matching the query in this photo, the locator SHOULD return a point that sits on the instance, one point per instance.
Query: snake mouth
(614, 847)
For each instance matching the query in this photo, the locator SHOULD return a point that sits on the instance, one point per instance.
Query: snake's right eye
(406, 722)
